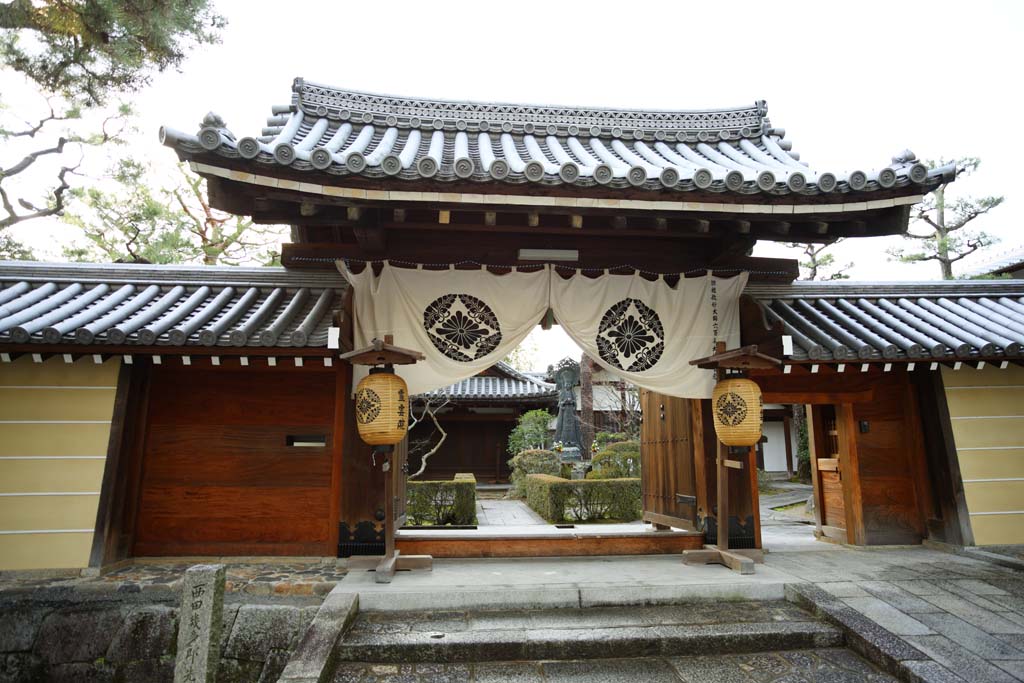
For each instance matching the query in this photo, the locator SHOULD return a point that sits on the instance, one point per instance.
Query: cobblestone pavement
(262, 578)
(835, 665)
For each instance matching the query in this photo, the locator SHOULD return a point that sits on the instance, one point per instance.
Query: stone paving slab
(828, 665)
(512, 583)
(506, 512)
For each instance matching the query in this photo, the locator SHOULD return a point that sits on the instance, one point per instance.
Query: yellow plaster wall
(986, 408)
(54, 428)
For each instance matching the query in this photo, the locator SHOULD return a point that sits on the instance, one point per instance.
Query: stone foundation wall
(132, 639)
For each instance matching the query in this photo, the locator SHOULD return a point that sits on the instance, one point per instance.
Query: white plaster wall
(775, 448)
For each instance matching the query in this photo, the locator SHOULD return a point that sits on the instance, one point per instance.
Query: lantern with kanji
(382, 407)
(737, 405)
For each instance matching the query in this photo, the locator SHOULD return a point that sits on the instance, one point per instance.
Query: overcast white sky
(853, 83)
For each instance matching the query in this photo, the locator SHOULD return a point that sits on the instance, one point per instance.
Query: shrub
(531, 432)
(439, 503)
(602, 439)
(534, 461)
(617, 461)
(582, 500)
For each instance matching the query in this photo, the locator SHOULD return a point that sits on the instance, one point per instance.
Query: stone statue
(567, 427)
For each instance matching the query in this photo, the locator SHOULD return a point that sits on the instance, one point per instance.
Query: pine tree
(946, 237)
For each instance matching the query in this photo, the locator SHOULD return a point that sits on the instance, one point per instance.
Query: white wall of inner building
(775, 447)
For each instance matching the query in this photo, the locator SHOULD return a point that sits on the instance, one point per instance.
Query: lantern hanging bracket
(383, 353)
(742, 359)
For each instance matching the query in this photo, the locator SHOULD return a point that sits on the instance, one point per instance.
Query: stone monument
(199, 624)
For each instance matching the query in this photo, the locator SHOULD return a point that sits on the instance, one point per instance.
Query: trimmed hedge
(439, 503)
(582, 500)
(617, 461)
(533, 461)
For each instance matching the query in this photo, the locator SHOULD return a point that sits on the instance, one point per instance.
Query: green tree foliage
(602, 439)
(135, 220)
(84, 50)
(531, 432)
(76, 56)
(817, 265)
(946, 237)
(616, 461)
(532, 461)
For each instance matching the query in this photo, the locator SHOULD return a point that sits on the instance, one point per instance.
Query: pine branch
(32, 158)
(52, 210)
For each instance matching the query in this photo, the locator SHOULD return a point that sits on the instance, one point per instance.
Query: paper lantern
(382, 408)
(737, 407)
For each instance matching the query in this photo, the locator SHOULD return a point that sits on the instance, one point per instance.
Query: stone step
(583, 633)
(829, 665)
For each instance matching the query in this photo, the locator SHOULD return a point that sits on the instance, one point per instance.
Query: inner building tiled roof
(326, 130)
(506, 384)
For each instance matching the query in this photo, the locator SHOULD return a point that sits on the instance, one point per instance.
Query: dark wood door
(668, 482)
(237, 463)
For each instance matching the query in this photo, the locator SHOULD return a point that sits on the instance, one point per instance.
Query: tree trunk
(586, 404)
(941, 235)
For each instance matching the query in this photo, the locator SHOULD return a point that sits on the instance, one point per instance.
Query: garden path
(503, 512)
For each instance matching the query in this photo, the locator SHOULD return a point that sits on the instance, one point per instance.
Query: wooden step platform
(547, 541)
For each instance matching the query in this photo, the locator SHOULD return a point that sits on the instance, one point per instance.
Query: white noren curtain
(464, 321)
(647, 332)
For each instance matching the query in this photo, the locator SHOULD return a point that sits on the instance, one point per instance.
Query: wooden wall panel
(257, 397)
(895, 494)
(219, 476)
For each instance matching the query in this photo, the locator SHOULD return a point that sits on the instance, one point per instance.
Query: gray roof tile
(341, 132)
(165, 305)
(865, 322)
(515, 386)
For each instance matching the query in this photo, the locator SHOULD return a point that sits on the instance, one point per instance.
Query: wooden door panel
(667, 461)
(221, 476)
(834, 513)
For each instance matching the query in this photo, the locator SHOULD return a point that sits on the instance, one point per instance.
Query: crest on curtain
(631, 336)
(432, 311)
(462, 327)
(647, 331)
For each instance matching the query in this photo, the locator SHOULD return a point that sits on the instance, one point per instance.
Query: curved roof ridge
(324, 100)
(505, 367)
(275, 276)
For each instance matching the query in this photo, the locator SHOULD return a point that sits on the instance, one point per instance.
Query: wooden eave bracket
(382, 353)
(743, 358)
